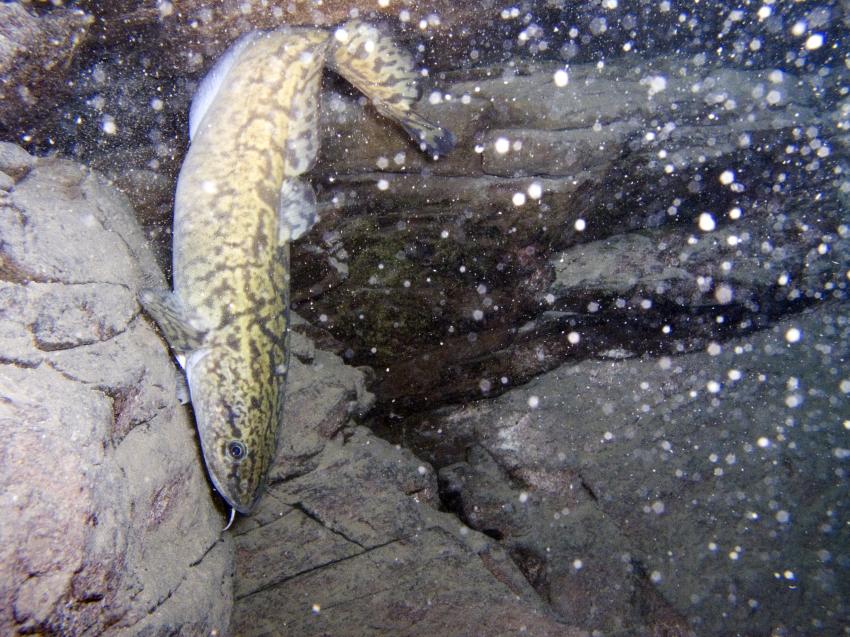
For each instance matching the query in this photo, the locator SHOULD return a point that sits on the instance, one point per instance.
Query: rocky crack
(299, 506)
(323, 565)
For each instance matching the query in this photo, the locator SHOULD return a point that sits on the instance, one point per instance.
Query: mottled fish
(239, 201)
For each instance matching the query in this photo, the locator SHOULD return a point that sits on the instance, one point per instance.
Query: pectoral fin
(183, 331)
(433, 139)
(296, 210)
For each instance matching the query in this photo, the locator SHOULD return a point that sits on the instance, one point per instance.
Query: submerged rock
(617, 199)
(707, 487)
(108, 524)
(36, 52)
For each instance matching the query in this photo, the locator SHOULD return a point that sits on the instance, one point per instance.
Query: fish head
(234, 429)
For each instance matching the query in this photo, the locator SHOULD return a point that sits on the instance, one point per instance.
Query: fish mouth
(240, 504)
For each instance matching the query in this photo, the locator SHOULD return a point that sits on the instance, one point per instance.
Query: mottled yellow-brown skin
(239, 200)
(230, 269)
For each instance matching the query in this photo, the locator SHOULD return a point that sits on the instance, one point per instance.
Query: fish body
(238, 204)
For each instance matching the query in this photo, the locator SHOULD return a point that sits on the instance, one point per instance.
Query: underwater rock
(705, 489)
(36, 52)
(449, 274)
(109, 524)
(348, 539)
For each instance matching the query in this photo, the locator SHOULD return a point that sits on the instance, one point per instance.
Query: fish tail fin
(387, 75)
(432, 139)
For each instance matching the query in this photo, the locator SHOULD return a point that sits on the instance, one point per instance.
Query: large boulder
(109, 526)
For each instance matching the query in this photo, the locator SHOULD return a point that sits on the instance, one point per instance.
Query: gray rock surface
(109, 526)
(700, 491)
(348, 539)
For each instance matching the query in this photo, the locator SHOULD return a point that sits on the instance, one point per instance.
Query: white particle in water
(783, 517)
(502, 145)
(535, 190)
(814, 41)
(723, 294)
(519, 198)
(793, 400)
(108, 125)
(792, 335)
(656, 84)
(561, 78)
(580, 225)
(533, 402)
(573, 337)
(706, 222)
(383, 184)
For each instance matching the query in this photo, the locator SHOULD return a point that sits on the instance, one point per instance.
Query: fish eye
(237, 449)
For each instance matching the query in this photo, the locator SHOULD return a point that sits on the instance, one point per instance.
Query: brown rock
(35, 60)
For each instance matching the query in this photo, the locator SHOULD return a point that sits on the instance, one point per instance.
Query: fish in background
(239, 202)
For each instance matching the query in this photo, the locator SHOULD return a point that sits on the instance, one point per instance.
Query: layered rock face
(657, 204)
(109, 527)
